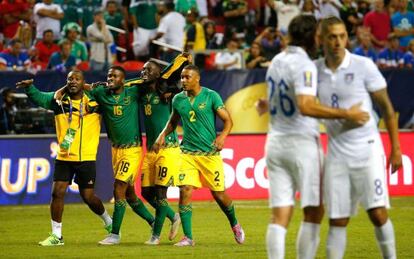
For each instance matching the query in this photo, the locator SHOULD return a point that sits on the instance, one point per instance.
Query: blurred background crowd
(225, 34)
(92, 35)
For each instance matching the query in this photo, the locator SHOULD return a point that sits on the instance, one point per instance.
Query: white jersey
(291, 73)
(350, 84)
(45, 23)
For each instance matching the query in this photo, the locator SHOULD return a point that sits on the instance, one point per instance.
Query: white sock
(308, 240)
(275, 241)
(57, 228)
(106, 218)
(386, 240)
(335, 249)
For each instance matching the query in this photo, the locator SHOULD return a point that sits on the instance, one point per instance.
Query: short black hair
(111, 2)
(155, 63)
(76, 70)
(302, 30)
(46, 31)
(192, 67)
(119, 68)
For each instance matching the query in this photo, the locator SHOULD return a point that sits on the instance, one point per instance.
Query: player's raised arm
(42, 99)
(381, 98)
(224, 115)
(169, 127)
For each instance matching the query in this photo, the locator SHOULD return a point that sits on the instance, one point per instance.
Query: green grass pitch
(22, 227)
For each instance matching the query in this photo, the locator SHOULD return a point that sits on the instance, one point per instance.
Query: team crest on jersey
(308, 78)
(127, 100)
(156, 100)
(202, 106)
(181, 177)
(349, 78)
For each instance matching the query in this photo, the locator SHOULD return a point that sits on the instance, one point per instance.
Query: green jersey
(156, 115)
(121, 115)
(198, 119)
(145, 13)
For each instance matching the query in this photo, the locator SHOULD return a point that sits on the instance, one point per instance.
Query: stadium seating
(132, 65)
(83, 66)
(39, 65)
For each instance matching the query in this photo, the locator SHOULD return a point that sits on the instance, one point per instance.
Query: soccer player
(293, 153)
(157, 88)
(354, 169)
(119, 106)
(77, 130)
(159, 170)
(201, 163)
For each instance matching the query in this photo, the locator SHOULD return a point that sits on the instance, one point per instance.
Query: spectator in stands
(270, 41)
(14, 58)
(234, 12)
(62, 60)
(114, 18)
(403, 24)
(100, 39)
(329, 8)
(285, 10)
(392, 56)
(7, 111)
(183, 6)
(391, 6)
(47, 15)
(46, 47)
(25, 35)
(255, 57)
(348, 13)
(71, 32)
(170, 29)
(214, 40)
(12, 12)
(365, 47)
(89, 7)
(363, 7)
(230, 58)
(379, 23)
(72, 10)
(409, 55)
(143, 14)
(309, 8)
(194, 38)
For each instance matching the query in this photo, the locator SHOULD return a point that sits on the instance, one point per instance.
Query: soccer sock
(308, 240)
(170, 213)
(118, 216)
(57, 228)
(230, 214)
(139, 208)
(186, 212)
(160, 214)
(153, 202)
(386, 240)
(275, 241)
(335, 247)
(106, 218)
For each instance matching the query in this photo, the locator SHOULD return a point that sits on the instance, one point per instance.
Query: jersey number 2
(192, 116)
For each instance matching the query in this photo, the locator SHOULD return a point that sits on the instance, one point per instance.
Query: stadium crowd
(227, 34)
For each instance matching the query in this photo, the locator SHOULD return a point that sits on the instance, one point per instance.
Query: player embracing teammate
(354, 168)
